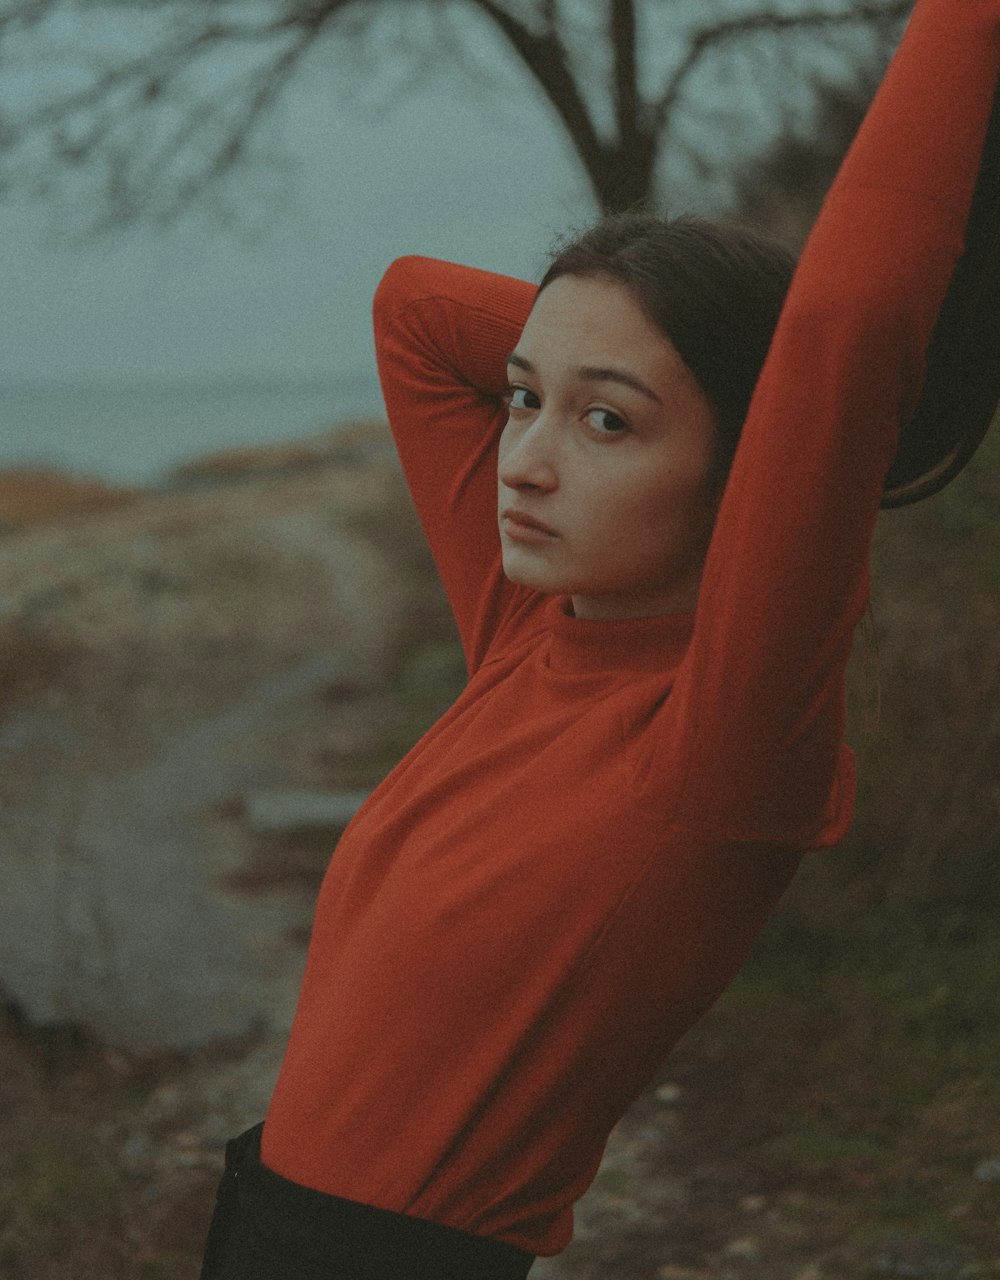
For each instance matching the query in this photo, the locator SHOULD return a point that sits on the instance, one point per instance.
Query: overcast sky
(431, 176)
(283, 294)
(470, 164)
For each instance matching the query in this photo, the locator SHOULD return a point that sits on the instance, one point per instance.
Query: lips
(524, 528)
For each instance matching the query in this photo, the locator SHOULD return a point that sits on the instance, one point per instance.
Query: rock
(745, 1248)
(918, 1257)
(159, 663)
(988, 1170)
(38, 495)
(352, 444)
(301, 810)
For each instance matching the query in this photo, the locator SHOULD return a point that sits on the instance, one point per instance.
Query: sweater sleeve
(442, 336)
(756, 717)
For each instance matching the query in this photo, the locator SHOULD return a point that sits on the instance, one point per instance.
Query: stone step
(275, 810)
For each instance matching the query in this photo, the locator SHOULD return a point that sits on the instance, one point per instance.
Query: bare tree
(784, 187)
(164, 99)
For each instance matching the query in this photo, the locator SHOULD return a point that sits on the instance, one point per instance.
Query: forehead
(583, 320)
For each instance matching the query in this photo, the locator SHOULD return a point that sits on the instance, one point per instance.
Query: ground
(836, 1116)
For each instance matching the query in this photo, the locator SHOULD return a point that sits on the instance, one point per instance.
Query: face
(606, 479)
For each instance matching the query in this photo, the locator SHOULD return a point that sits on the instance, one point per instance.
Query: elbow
(403, 281)
(392, 290)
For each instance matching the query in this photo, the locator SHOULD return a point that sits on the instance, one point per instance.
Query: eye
(521, 400)
(605, 423)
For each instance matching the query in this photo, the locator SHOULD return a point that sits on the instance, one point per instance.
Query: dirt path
(837, 1117)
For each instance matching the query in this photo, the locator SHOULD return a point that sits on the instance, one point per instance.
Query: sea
(136, 432)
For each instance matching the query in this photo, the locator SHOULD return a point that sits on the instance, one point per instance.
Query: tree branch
(107, 121)
(24, 13)
(751, 24)
(159, 142)
(546, 60)
(625, 74)
(233, 145)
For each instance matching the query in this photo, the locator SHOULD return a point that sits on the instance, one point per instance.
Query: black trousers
(267, 1228)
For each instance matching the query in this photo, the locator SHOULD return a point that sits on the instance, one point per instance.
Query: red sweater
(569, 867)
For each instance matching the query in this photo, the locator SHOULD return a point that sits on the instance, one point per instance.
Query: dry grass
(838, 1104)
(37, 495)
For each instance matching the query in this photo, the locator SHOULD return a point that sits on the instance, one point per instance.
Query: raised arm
(757, 707)
(442, 334)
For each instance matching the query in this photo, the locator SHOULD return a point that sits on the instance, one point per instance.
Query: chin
(529, 575)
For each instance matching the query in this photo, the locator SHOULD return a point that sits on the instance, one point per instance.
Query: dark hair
(715, 289)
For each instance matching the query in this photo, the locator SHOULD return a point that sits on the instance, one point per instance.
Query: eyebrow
(595, 373)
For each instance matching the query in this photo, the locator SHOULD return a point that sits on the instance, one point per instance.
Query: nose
(526, 459)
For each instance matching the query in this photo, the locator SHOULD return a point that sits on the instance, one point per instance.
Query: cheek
(669, 499)
(672, 517)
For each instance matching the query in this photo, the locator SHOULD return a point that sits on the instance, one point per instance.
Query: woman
(571, 865)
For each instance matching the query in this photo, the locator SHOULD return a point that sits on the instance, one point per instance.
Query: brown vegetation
(36, 495)
(837, 1117)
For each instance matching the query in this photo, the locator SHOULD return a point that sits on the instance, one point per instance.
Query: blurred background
(219, 628)
(182, 273)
